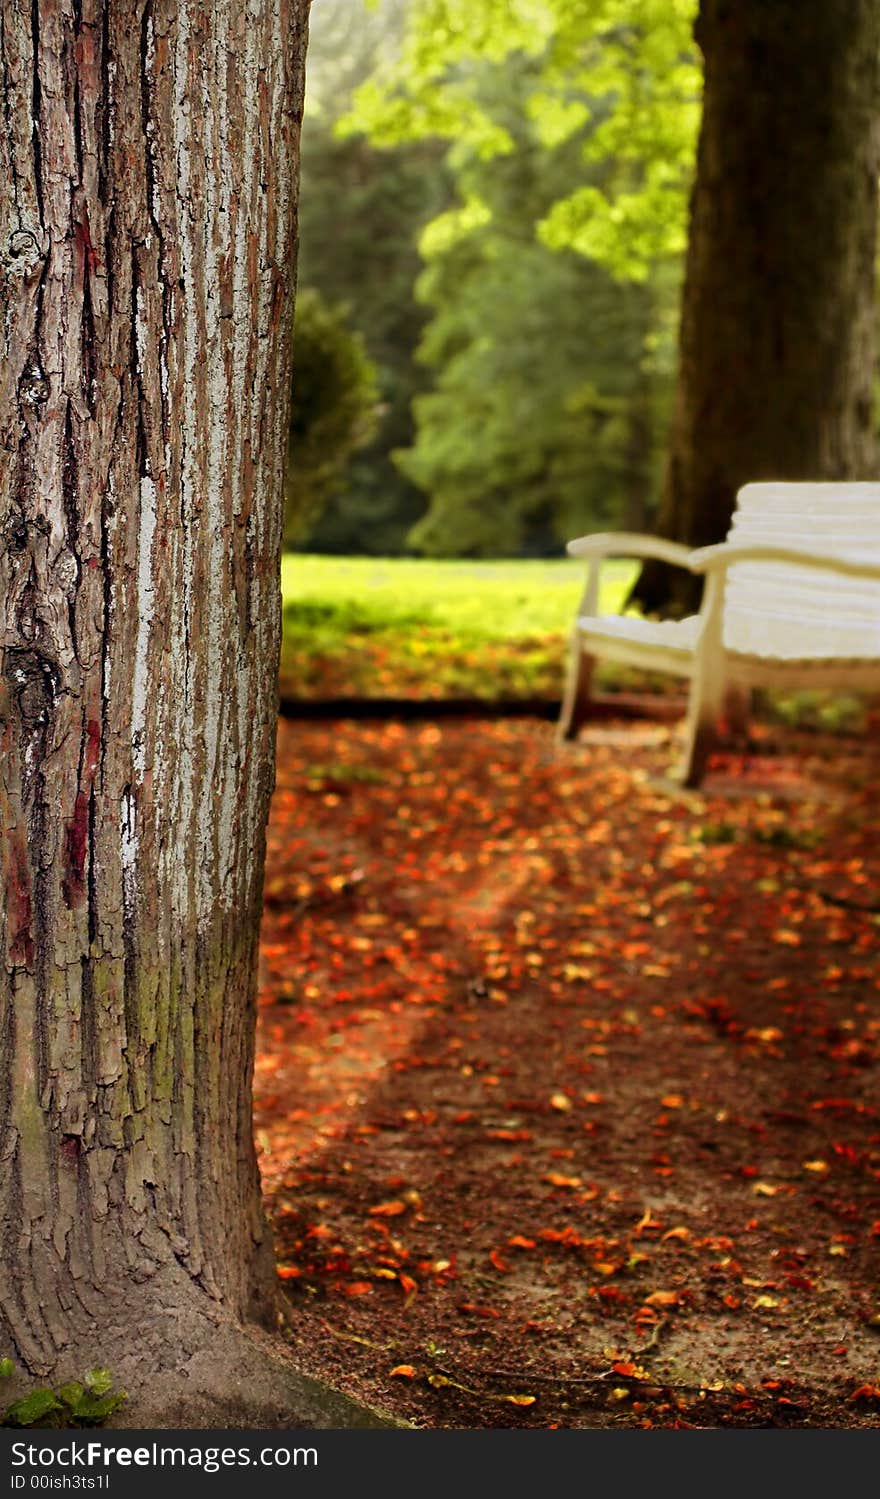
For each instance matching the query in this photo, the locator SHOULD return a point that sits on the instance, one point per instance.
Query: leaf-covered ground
(567, 1084)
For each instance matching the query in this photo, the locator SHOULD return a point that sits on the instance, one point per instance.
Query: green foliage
(361, 211)
(552, 380)
(333, 409)
(632, 61)
(368, 261)
(31, 1410)
(514, 179)
(74, 1404)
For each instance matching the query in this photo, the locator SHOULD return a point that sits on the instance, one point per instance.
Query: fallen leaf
(628, 1370)
(662, 1298)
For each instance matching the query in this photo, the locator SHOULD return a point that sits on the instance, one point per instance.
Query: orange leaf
(498, 1261)
(663, 1298)
(519, 1242)
(289, 1272)
(646, 1221)
(520, 1399)
(556, 1180)
(410, 1286)
(403, 1371)
(357, 1288)
(388, 1209)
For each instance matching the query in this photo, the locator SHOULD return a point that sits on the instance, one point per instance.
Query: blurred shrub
(334, 409)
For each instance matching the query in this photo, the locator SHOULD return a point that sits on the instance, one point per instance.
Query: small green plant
(317, 776)
(717, 832)
(781, 835)
(74, 1404)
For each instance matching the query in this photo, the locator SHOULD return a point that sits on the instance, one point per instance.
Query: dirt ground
(567, 1082)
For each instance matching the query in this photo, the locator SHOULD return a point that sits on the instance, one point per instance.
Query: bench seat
(792, 598)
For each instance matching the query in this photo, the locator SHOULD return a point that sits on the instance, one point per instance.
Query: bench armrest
(594, 549)
(630, 544)
(717, 558)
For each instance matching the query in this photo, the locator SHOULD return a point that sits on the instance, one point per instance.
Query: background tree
(776, 346)
(548, 405)
(553, 278)
(777, 332)
(366, 259)
(147, 216)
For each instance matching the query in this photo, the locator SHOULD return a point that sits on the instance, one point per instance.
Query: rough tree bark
(777, 329)
(148, 161)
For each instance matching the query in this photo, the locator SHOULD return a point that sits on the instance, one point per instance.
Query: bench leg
(706, 700)
(578, 690)
(738, 710)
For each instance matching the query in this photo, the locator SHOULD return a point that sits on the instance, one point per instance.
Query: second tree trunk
(777, 332)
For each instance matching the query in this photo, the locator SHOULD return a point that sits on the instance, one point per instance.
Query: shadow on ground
(567, 1083)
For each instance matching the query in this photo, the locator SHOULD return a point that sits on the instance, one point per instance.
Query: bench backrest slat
(786, 611)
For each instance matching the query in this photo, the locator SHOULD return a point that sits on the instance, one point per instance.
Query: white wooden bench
(790, 599)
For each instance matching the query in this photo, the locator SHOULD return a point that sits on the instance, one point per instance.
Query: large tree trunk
(147, 221)
(777, 331)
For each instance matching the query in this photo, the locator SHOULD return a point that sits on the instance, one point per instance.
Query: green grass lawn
(364, 626)
(401, 627)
